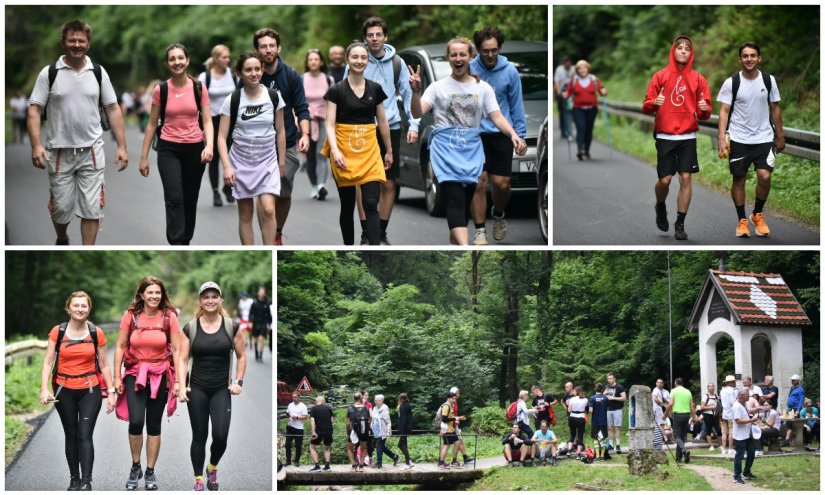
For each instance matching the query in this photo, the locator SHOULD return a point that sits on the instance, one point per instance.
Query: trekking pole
(569, 154)
(607, 126)
(667, 446)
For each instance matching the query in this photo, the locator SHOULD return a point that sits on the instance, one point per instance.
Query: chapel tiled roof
(759, 298)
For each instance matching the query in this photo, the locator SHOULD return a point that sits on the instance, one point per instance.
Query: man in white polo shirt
(73, 151)
(742, 439)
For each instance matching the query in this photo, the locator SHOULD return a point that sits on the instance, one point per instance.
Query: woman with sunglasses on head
(147, 349)
(184, 143)
(79, 367)
(353, 106)
(317, 82)
(211, 341)
(459, 103)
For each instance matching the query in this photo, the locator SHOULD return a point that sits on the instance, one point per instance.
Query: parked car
(530, 58)
(541, 180)
(284, 394)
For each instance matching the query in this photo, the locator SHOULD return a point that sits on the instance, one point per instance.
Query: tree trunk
(545, 274)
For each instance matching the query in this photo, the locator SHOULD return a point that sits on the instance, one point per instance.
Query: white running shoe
(480, 238)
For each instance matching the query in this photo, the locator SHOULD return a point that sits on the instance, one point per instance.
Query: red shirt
(584, 97)
(148, 340)
(77, 359)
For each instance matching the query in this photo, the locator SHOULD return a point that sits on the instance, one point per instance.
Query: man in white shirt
(297, 413)
(561, 77)
(728, 396)
(742, 439)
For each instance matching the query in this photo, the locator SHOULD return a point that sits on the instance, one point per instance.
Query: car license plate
(527, 166)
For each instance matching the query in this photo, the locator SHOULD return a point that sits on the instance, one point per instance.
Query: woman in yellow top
(353, 105)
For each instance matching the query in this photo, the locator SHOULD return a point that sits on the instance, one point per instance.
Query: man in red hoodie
(677, 95)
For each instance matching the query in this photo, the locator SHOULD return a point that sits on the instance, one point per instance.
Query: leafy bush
(490, 419)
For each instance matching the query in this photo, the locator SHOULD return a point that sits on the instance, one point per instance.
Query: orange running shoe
(759, 225)
(742, 230)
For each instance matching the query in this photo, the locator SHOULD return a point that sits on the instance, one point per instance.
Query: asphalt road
(246, 465)
(609, 201)
(134, 213)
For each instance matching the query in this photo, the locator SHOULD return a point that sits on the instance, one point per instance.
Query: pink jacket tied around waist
(153, 373)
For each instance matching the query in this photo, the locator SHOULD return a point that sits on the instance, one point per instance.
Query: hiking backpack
(362, 419)
(512, 411)
(61, 333)
(438, 419)
(98, 72)
(129, 358)
(235, 105)
(164, 94)
(736, 81)
(192, 332)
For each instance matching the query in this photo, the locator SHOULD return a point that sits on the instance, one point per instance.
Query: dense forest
(627, 44)
(494, 322)
(38, 282)
(129, 40)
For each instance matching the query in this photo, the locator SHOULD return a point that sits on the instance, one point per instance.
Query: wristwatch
(112, 390)
(237, 382)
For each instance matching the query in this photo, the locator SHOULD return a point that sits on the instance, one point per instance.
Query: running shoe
(85, 486)
(199, 484)
(322, 193)
(618, 449)
(742, 230)
(360, 468)
(455, 464)
(316, 468)
(443, 465)
(212, 478)
(327, 468)
(759, 226)
(661, 217)
(468, 460)
(279, 239)
(499, 228)
(150, 482)
(314, 193)
(480, 238)
(410, 464)
(384, 241)
(216, 198)
(354, 468)
(74, 485)
(749, 476)
(364, 240)
(679, 233)
(135, 474)
(687, 457)
(395, 460)
(227, 191)
(712, 448)
(739, 481)
(759, 453)
(64, 242)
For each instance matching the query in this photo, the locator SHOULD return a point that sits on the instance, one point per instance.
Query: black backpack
(234, 107)
(164, 94)
(359, 419)
(736, 80)
(98, 72)
(61, 333)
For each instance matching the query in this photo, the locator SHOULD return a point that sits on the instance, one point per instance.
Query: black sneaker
(150, 482)
(687, 457)
(679, 233)
(135, 474)
(322, 193)
(297, 464)
(395, 460)
(749, 476)
(216, 198)
(553, 461)
(227, 191)
(64, 242)
(618, 449)
(468, 460)
(85, 486)
(364, 240)
(739, 481)
(327, 468)
(455, 464)
(316, 468)
(661, 217)
(74, 485)
(384, 241)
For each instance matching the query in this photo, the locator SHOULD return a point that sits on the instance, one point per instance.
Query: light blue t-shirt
(540, 437)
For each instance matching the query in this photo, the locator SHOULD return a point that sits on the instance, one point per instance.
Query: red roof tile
(760, 298)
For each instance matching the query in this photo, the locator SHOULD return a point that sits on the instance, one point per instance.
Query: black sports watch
(238, 382)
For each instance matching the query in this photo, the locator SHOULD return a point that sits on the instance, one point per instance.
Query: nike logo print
(178, 95)
(252, 112)
(736, 159)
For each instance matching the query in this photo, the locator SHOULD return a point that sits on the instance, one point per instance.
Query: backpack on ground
(235, 105)
(512, 411)
(197, 89)
(736, 81)
(438, 419)
(61, 333)
(362, 419)
(98, 72)
(589, 456)
(192, 332)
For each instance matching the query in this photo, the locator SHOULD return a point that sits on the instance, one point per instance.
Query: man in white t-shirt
(561, 77)
(742, 438)
(244, 305)
(755, 395)
(728, 396)
(753, 137)
(297, 413)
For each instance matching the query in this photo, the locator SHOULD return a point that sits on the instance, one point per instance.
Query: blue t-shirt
(599, 403)
(804, 414)
(540, 437)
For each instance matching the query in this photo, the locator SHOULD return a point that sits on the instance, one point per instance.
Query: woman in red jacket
(584, 87)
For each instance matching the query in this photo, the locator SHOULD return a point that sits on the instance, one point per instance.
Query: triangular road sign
(304, 386)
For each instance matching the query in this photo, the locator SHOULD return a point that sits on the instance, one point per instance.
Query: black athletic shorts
(498, 153)
(259, 330)
(761, 155)
(395, 139)
(676, 156)
(594, 432)
(450, 438)
(322, 437)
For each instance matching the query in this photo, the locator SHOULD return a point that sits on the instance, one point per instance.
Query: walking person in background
(320, 421)
(682, 407)
(459, 103)
(147, 348)
(252, 167)
(317, 82)
(184, 143)
(73, 152)
(404, 427)
(504, 78)
(561, 78)
(353, 107)
(19, 108)
(382, 430)
(728, 396)
(337, 67)
(584, 88)
(245, 327)
(261, 317)
(219, 82)
(76, 371)
(459, 444)
(710, 405)
(358, 425)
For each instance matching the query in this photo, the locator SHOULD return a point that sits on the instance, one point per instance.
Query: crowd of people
(344, 118)
(730, 418)
(157, 363)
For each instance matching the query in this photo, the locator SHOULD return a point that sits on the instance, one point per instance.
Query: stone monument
(640, 459)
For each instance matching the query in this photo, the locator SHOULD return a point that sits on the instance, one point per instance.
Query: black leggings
(576, 430)
(402, 445)
(143, 408)
(181, 171)
(459, 197)
(215, 164)
(206, 404)
(78, 410)
(370, 192)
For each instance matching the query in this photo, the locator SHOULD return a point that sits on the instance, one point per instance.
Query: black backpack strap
(234, 105)
(197, 88)
(238, 82)
(164, 94)
(766, 79)
(98, 71)
(396, 70)
(61, 332)
(735, 82)
(273, 97)
(208, 78)
(93, 334)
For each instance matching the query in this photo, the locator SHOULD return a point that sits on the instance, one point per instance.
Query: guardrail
(804, 144)
(32, 347)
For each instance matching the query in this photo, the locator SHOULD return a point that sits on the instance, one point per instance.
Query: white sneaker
(759, 453)
(480, 238)
(499, 228)
(712, 448)
(314, 193)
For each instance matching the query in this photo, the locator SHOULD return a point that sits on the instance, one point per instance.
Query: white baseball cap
(454, 390)
(210, 285)
(795, 377)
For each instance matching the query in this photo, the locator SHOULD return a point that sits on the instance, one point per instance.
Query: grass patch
(23, 386)
(796, 473)
(795, 181)
(568, 473)
(16, 433)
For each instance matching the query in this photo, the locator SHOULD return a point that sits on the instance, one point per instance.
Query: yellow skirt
(362, 157)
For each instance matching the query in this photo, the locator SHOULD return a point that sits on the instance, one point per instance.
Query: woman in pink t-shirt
(317, 82)
(146, 354)
(184, 143)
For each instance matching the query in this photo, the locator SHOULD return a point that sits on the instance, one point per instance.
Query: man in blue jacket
(796, 399)
(290, 84)
(503, 76)
(382, 69)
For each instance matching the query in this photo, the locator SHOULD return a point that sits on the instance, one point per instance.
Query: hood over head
(673, 65)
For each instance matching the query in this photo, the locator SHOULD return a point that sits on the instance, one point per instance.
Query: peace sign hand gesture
(415, 78)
